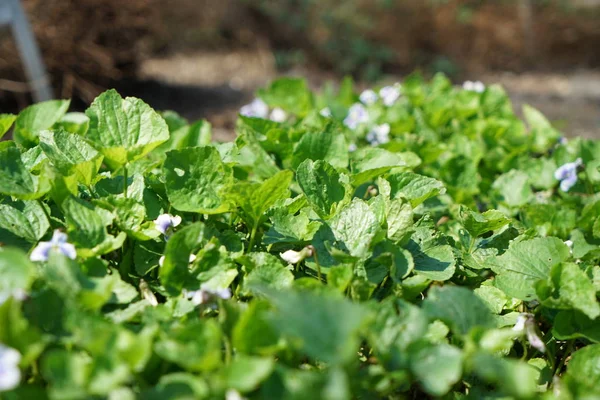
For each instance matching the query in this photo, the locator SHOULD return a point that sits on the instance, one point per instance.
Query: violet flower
(58, 243)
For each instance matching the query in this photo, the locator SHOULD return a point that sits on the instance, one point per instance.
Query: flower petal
(41, 251)
(9, 378)
(68, 250)
(9, 356)
(58, 237)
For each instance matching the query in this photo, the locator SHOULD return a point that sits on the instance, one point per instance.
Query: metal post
(11, 12)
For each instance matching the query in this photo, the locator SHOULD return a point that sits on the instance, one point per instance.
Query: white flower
(206, 295)
(161, 260)
(567, 174)
(352, 147)
(562, 140)
(356, 115)
(18, 294)
(257, 109)
(10, 374)
(526, 324)
(278, 115)
(58, 242)
(166, 222)
(368, 97)
(325, 112)
(389, 94)
(476, 86)
(380, 134)
(294, 257)
(520, 324)
(569, 244)
(147, 293)
(233, 394)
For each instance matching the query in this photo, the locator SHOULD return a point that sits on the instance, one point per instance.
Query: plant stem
(563, 359)
(227, 350)
(125, 180)
(252, 236)
(318, 265)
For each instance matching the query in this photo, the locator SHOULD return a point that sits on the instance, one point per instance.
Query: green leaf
(255, 199)
(525, 263)
(513, 188)
(493, 297)
(175, 272)
(15, 180)
(352, 231)
(328, 332)
(25, 219)
(246, 373)
(568, 288)
(124, 130)
(544, 135)
(86, 227)
(396, 326)
(514, 377)
(289, 228)
(178, 386)
(438, 368)
(16, 270)
(574, 324)
(477, 224)
(328, 145)
(368, 163)
(194, 178)
(449, 303)
(433, 258)
(291, 94)
(74, 122)
(253, 333)
(270, 272)
(194, 135)
(70, 154)
(36, 118)
(321, 185)
(195, 345)
(583, 374)
(6, 121)
(414, 187)
(67, 373)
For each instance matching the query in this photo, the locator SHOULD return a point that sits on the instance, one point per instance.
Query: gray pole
(11, 12)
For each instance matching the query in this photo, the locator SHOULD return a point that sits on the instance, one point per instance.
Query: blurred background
(205, 58)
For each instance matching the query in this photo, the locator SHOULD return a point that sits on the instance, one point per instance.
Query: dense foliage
(420, 241)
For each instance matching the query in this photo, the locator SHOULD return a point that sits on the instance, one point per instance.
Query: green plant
(427, 251)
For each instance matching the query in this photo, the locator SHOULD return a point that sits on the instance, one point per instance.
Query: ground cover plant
(415, 241)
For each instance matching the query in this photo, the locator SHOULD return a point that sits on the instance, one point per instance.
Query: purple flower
(58, 242)
(10, 374)
(389, 94)
(356, 115)
(567, 174)
(368, 97)
(257, 109)
(380, 134)
(165, 224)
